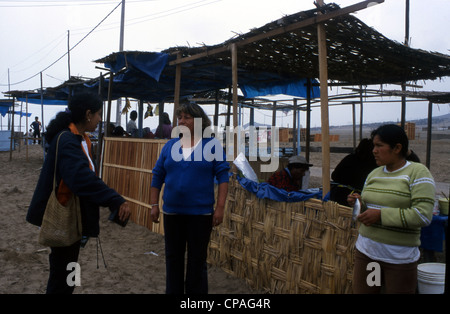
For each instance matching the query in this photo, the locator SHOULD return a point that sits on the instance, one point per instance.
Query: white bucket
(431, 278)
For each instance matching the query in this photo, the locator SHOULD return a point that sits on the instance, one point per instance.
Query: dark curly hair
(76, 112)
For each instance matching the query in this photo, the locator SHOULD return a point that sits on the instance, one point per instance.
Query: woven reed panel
(302, 247)
(127, 168)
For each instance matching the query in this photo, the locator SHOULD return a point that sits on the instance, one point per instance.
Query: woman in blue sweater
(188, 167)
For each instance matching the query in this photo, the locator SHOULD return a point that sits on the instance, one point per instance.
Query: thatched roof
(357, 53)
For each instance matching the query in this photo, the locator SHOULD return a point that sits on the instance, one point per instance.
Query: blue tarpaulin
(286, 87)
(265, 190)
(4, 109)
(37, 101)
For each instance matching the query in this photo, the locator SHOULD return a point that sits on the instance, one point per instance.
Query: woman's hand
(370, 216)
(154, 213)
(124, 211)
(218, 215)
(351, 199)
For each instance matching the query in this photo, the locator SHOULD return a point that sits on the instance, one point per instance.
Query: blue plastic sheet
(285, 87)
(432, 237)
(265, 190)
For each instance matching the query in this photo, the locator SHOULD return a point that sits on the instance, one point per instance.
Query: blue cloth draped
(265, 190)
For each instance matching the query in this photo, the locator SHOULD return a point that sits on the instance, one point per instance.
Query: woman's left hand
(124, 211)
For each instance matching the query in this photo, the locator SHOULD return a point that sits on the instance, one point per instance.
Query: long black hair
(75, 113)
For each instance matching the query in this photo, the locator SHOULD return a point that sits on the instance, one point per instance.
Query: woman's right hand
(351, 199)
(154, 214)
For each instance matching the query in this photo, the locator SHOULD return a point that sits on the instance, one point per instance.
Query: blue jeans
(191, 232)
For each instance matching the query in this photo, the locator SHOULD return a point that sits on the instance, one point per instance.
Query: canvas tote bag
(61, 225)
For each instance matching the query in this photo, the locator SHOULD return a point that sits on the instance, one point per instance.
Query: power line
(57, 3)
(153, 16)
(33, 76)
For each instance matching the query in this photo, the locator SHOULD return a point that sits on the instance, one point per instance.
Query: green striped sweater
(406, 199)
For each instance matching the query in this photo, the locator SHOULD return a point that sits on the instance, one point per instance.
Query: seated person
(351, 172)
(291, 177)
(131, 125)
(118, 131)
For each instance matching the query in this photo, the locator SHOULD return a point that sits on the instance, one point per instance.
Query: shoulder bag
(61, 225)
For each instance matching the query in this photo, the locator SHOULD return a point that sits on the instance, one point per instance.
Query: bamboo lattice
(302, 247)
(278, 247)
(127, 167)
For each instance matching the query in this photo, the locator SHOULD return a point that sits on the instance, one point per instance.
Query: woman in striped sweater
(396, 202)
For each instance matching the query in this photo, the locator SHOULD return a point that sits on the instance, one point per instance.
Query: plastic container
(443, 206)
(431, 278)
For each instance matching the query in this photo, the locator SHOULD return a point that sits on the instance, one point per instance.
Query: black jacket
(73, 168)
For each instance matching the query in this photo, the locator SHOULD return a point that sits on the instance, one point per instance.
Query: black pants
(191, 232)
(37, 134)
(59, 258)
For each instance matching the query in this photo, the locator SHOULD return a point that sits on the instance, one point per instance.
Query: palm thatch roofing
(357, 53)
(282, 51)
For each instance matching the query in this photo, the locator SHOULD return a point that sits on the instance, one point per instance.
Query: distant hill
(442, 121)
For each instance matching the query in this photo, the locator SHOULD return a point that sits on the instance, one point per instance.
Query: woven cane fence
(127, 167)
(279, 247)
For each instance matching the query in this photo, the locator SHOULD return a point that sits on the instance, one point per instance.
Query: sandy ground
(134, 256)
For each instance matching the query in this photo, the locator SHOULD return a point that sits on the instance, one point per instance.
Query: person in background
(36, 126)
(189, 166)
(291, 177)
(351, 172)
(396, 202)
(164, 130)
(75, 173)
(131, 125)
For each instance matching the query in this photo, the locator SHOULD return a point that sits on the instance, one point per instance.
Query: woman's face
(185, 119)
(93, 120)
(383, 153)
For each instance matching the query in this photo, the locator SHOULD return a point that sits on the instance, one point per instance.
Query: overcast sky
(34, 35)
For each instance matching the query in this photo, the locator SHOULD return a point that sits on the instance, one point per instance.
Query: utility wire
(67, 51)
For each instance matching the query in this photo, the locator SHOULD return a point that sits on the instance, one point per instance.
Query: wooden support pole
(360, 113)
(234, 69)
(11, 142)
(354, 124)
(216, 109)
(294, 128)
(308, 119)
(176, 97)
(429, 125)
(108, 111)
(323, 77)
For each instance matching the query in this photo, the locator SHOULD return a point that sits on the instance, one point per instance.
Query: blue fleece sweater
(189, 184)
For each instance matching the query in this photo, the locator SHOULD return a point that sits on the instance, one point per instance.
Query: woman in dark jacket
(75, 173)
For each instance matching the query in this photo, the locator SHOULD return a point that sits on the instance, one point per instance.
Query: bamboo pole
(26, 129)
(429, 125)
(323, 77)
(234, 63)
(11, 145)
(108, 112)
(176, 97)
